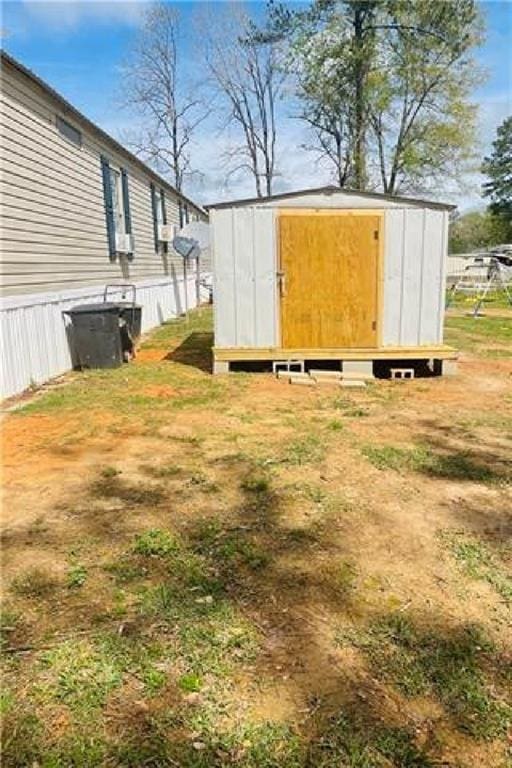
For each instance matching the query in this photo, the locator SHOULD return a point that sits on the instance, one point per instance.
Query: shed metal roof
(329, 190)
(71, 110)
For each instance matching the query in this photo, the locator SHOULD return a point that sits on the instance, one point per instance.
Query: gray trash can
(96, 335)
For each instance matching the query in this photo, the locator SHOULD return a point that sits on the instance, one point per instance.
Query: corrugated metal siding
(54, 232)
(245, 264)
(33, 335)
(414, 258)
(244, 277)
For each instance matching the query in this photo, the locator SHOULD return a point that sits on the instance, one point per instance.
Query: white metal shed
(329, 274)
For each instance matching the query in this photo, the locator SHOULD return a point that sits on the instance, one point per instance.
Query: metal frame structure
(468, 283)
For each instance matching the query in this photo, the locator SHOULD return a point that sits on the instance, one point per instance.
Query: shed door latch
(281, 276)
(376, 234)
(374, 325)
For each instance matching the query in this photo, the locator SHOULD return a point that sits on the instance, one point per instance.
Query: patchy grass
(145, 393)
(478, 562)
(162, 470)
(155, 543)
(77, 576)
(22, 737)
(354, 742)
(484, 336)
(211, 636)
(228, 548)
(78, 674)
(36, 583)
(237, 588)
(256, 483)
(124, 571)
(390, 457)
(309, 449)
(190, 683)
(453, 666)
(349, 408)
(200, 481)
(113, 487)
(455, 465)
(345, 577)
(108, 473)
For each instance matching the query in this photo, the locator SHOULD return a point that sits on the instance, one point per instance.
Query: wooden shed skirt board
(223, 356)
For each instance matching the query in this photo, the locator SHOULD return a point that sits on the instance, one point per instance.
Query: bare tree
(247, 79)
(326, 96)
(154, 86)
(331, 144)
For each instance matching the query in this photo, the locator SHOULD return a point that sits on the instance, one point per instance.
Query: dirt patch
(153, 391)
(149, 355)
(263, 570)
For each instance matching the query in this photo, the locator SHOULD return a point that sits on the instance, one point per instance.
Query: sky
(79, 48)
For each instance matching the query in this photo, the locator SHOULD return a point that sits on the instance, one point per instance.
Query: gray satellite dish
(192, 239)
(186, 247)
(191, 242)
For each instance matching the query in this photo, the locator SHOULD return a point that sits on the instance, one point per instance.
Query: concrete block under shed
(357, 375)
(303, 380)
(326, 380)
(220, 366)
(400, 374)
(355, 383)
(363, 368)
(449, 367)
(293, 375)
(287, 366)
(317, 373)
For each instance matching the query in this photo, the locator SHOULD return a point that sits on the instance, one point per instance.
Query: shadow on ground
(195, 350)
(160, 660)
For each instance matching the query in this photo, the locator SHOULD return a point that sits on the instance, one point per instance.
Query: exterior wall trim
(56, 297)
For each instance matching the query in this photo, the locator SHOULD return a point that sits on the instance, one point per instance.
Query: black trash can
(130, 312)
(132, 315)
(96, 335)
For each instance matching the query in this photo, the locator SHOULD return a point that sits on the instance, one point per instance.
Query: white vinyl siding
(54, 233)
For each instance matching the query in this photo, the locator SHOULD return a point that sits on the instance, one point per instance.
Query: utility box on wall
(329, 274)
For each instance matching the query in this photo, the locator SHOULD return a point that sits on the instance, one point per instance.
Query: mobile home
(78, 211)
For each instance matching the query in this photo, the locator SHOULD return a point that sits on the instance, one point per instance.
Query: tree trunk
(359, 84)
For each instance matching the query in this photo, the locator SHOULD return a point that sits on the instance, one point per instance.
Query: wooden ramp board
(329, 262)
(232, 354)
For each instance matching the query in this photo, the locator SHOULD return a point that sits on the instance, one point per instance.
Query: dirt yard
(205, 572)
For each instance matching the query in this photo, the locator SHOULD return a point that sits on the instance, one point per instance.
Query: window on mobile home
(117, 200)
(159, 207)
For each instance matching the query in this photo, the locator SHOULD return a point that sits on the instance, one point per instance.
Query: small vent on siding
(69, 132)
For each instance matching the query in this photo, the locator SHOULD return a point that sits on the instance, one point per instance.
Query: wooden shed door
(328, 286)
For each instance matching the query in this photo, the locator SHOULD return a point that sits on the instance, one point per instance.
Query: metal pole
(198, 280)
(185, 281)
